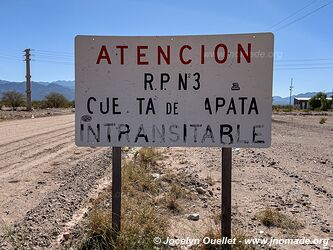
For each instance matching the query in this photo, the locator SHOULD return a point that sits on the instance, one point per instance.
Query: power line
(11, 56)
(303, 68)
(54, 59)
(53, 55)
(53, 52)
(52, 62)
(306, 59)
(293, 14)
(302, 17)
(10, 59)
(304, 64)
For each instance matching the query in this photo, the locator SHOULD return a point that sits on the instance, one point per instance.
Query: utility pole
(28, 77)
(291, 91)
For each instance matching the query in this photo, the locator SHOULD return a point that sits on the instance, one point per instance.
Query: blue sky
(49, 27)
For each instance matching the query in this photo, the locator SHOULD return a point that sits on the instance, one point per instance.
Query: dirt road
(43, 174)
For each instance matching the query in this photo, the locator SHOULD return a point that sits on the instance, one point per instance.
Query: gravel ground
(41, 225)
(294, 176)
(11, 115)
(46, 182)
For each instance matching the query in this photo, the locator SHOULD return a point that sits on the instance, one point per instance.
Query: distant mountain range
(41, 89)
(278, 100)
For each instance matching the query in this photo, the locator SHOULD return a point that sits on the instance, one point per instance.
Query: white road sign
(200, 91)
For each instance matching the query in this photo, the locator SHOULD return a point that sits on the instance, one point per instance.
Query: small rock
(156, 176)
(66, 236)
(261, 232)
(194, 217)
(200, 190)
(325, 229)
(236, 151)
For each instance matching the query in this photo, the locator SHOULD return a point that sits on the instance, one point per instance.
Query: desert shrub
(37, 104)
(320, 102)
(141, 220)
(13, 99)
(215, 233)
(56, 100)
(148, 156)
(274, 218)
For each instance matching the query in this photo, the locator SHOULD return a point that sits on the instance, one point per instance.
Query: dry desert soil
(47, 183)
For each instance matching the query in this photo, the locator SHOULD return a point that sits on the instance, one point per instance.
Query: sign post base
(116, 191)
(226, 195)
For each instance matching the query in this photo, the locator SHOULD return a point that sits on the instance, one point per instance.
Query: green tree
(13, 99)
(319, 101)
(56, 100)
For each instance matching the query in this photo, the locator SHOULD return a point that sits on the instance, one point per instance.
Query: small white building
(303, 102)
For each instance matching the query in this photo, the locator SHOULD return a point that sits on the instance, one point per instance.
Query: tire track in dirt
(43, 223)
(44, 155)
(33, 146)
(32, 152)
(10, 141)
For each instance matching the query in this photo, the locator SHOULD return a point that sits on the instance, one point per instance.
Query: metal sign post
(226, 195)
(116, 191)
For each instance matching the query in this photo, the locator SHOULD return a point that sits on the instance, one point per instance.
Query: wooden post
(28, 78)
(226, 195)
(116, 191)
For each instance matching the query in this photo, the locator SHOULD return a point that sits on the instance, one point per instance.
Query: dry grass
(141, 219)
(183, 161)
(274, 218)
(15, 239)
(209, 179)
(171, 202)
(240, 243)
(217, 217)
(148, 156)
(169, 177)
(178, 191)
(135, 177)
(215, 233)
(170, 199)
